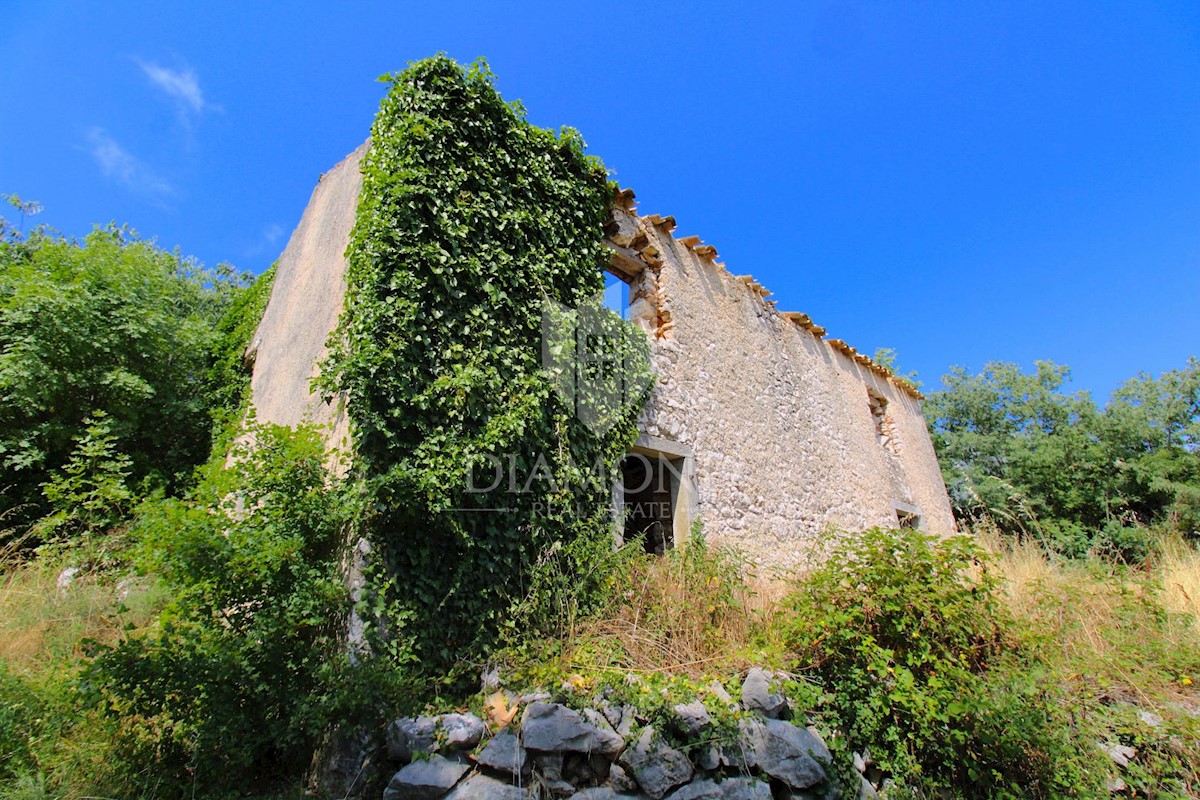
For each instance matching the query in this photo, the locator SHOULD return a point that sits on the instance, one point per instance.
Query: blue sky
(962, 182)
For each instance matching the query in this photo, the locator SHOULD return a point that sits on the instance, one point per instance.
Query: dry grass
(44, 626)
(690, 613)
(1105, 626)
(1179, 568)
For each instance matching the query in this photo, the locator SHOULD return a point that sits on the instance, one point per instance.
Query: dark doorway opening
(650, 486)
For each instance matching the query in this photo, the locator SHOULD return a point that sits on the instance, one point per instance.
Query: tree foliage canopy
(112, 326)
(1018, 447)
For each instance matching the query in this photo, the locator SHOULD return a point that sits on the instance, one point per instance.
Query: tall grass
(694, 611)
(1179, 573)
(50, 744)
(46, 616)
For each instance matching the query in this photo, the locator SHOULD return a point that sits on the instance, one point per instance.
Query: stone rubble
(612, 752)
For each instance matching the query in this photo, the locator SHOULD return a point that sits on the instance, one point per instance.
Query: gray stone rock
(621, 780)
(1150, 719)
(866, 791)
(740, 756)
(693, 716)
(426, 779)
(758, 697)
(657, 767)
(504, 753)
(822, 749)
(597, 793)
(738, 788)
(707, 758)
(407, 736)
(66, 577)
(719, 692)
(463, 731)
(551, 772)
(1120, 754)
(551, 727)
(608, 741)
(345, 762)
(481, 787)
(793, 755)
(623, 719)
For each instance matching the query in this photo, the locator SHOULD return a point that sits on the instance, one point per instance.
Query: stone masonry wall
(780, 420)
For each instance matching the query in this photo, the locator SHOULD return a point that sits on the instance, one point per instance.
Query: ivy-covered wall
(470, 222)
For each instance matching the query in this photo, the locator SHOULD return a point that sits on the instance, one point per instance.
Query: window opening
(616, 295)
(907, 516)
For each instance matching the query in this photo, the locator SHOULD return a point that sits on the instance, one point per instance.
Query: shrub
(228, 379)
(895, 626)
(1066, 538)
(20, 715)
(111, 324)
(236, 680)
(1127, 544)
(90, 493)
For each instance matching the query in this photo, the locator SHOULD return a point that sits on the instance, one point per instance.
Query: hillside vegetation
(174, 612)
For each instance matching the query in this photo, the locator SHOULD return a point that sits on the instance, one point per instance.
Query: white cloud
(181, 86)
(126, 169)
(268, 241)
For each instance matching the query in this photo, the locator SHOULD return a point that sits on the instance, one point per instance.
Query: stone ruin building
(759, 425)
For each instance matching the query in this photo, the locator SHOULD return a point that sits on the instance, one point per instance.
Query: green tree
(1016, 447)
(1153, 428)
(111, 325)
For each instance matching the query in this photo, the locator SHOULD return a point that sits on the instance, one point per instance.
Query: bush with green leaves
(240, 676)
(21, 710)
(899, 629)
(109, 325)
(470, 222)
(91, 492)
(228, 381)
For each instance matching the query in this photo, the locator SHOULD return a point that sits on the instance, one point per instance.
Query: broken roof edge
(625, 200)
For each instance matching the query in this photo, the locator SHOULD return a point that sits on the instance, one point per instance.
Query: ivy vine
(470, 222)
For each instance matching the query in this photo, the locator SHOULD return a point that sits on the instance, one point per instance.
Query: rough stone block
(481, 787)
(504, 753)
(408, 736)
(737, 788)
(426, 779)
(657, 767)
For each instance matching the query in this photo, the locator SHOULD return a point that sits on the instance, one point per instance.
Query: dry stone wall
(598, 748)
